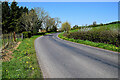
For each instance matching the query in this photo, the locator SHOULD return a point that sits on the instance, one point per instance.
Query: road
(63, 59)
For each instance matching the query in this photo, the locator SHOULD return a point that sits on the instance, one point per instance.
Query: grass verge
(86, 42)
(24, 63)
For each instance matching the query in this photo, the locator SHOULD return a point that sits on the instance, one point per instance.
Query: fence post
(2, 41)
(22, 36)
(11, 40)
(8, 39)
(14, 37)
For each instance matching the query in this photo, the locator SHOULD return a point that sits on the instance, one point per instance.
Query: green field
(107, 27)
(74, 30)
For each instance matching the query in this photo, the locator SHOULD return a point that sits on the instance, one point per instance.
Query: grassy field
(24, 63)
(107, 27)
(77, 36)
(74, 30)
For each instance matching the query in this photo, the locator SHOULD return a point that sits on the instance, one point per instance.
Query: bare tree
(29, 20)
(57, 21)
(42, 16)
(45, 21)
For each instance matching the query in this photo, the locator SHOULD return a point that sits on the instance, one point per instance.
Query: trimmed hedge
(106, 36)
(86, 42)
(27, 34)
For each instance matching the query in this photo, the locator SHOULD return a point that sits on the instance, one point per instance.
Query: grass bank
(24, 63)
(94, 44)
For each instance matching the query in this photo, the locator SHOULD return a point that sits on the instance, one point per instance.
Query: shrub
(105, 36)
(27, 34)
(112, 47)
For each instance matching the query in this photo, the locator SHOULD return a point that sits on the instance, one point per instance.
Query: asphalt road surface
(63, 59)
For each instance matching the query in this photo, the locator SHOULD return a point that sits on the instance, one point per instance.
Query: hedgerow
(103, 36)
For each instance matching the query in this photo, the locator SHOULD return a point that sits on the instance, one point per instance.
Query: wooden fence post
(14, 37)
(3, 41)
(22, 36)
(11, 35)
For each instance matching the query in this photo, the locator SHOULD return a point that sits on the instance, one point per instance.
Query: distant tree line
(19, 19)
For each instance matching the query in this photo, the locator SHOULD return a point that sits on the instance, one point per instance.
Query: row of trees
(19, 19)
(11, 15)
(93, 25)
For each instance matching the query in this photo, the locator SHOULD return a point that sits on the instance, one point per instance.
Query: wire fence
(10, 40)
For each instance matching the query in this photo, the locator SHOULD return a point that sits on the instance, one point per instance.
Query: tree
(19, 19)
(101, 24)
(57, 21)
(52, 24)
(5, 17)
(25, 9)
(0, 18)
(10, 16)
(29, 21)
(66, 27)
(76, 26)
(42, 16)
(14, 16)
(18, 28)
(94, 23)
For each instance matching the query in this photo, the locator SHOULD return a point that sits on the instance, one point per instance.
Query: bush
(27, 34)
(106, 36)
(91, 43)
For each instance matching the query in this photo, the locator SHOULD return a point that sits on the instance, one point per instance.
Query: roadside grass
(24, 63)
(94, 44)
